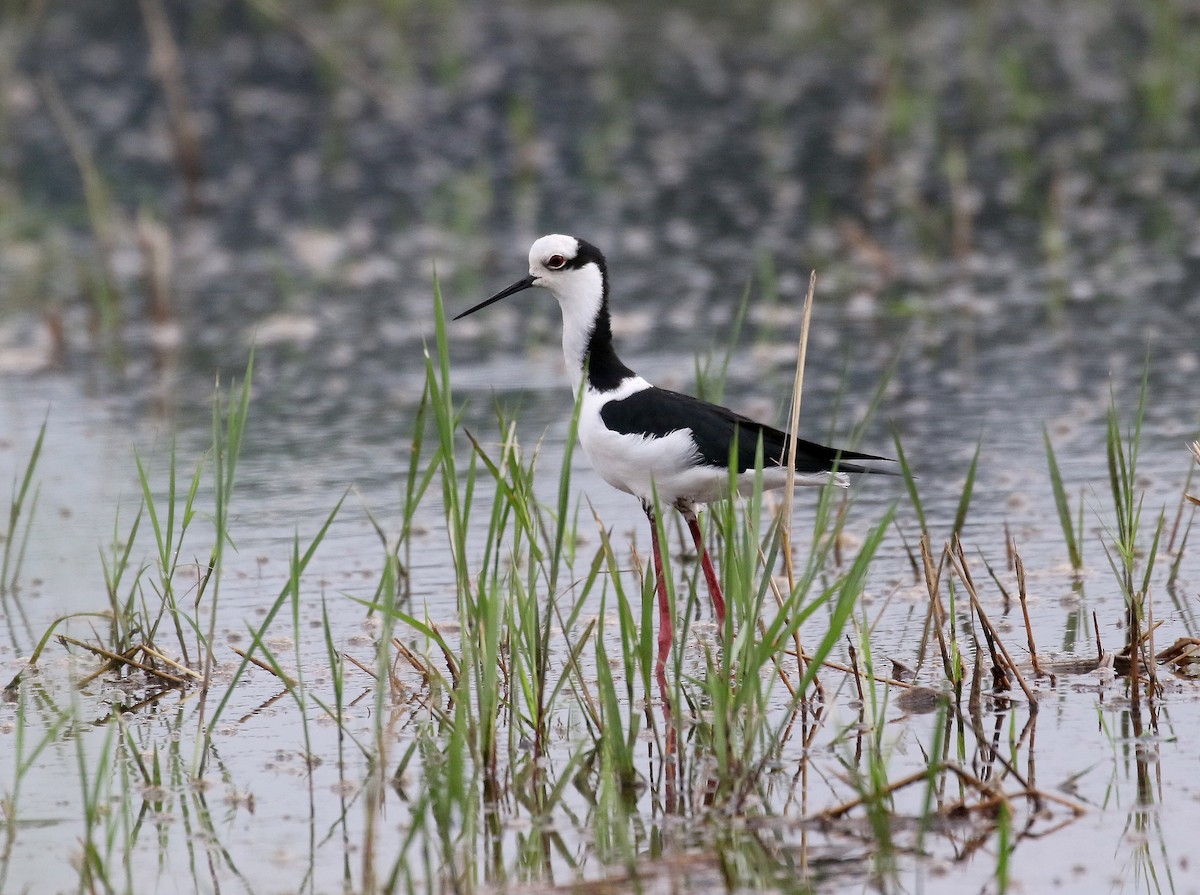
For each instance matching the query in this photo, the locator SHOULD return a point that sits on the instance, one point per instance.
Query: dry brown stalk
(451, 662)
(787, 682)
(155, 654)
(1195, 449)
(154, 243)
(975, 699)
(253, 660)
(1135, 682)
(793, 428)
(960, 561)
(1151, 625)
(361, 666)
(991, 795)
(410, 657)
(857, 674)
(999, 677)
(1023, 596)
(847, 806)
(262, 706)
(793, 431)
(838, 666)
(933, 583)
(121, 659)
(103, 669)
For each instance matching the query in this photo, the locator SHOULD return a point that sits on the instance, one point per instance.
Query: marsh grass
(1072, 529)
(21, 509)
(531, 723)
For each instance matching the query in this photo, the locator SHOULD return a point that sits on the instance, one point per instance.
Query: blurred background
(999, 199)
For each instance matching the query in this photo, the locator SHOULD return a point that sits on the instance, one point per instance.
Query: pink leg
(665, 625)
(710, 574)
(664, 601)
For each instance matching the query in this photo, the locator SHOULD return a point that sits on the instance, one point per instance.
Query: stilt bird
(648, 441)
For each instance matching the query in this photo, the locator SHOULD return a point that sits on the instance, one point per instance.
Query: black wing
(657, 412)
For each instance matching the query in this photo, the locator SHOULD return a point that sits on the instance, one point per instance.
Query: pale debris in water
(317, 249)
(282, 328)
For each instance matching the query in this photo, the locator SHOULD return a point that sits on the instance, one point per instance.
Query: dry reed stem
(990, 793)
(361, 667)
(411, 658)
(975, 699)
(167, 660)
(154, 243)
(262, 706)
(787, 682)
(1135, 649)
(933, 584)
(451, 662)
(857, 674)
(121, 659)
(837, 811)
(793, 433)
(990, 636)
(846, 669)
(960, 561)
(253, 660)
(1151, 667)
(1022, 595)
(103, 669)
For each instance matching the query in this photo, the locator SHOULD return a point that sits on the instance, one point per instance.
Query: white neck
(580, 296)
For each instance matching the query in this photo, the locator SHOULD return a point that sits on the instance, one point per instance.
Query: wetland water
(1000, 207)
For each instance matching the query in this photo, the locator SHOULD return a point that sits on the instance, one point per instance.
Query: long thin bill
(503, 293)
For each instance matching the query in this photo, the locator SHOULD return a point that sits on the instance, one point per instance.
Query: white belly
(669, 466)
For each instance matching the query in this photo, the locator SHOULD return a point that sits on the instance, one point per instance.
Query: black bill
(503, 293)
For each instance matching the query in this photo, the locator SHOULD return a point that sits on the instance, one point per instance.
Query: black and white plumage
(648, 441)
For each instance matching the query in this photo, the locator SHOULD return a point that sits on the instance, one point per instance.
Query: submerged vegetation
(520, 738)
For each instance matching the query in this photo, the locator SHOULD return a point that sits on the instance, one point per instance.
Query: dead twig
(933, 584)
(150, 651)
(1022, 595)
(120, 659)
(960, 561)
(265, 667)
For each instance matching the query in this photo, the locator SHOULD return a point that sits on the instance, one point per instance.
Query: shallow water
(738, 150)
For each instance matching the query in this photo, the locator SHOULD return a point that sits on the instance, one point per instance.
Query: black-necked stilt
(651, 442)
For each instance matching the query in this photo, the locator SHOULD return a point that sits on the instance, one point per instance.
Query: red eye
(556, 262)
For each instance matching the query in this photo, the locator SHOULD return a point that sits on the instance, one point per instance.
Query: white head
(572, 269)
(575, 273)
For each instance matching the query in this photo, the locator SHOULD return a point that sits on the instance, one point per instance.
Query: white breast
(670, 465)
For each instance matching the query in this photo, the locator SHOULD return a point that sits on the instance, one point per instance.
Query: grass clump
(21, 508)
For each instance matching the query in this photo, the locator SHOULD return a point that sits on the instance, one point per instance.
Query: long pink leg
(664, 601)
(665, 627)
(710, 574)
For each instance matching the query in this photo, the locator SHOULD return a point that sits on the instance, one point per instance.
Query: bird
(651, 442)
